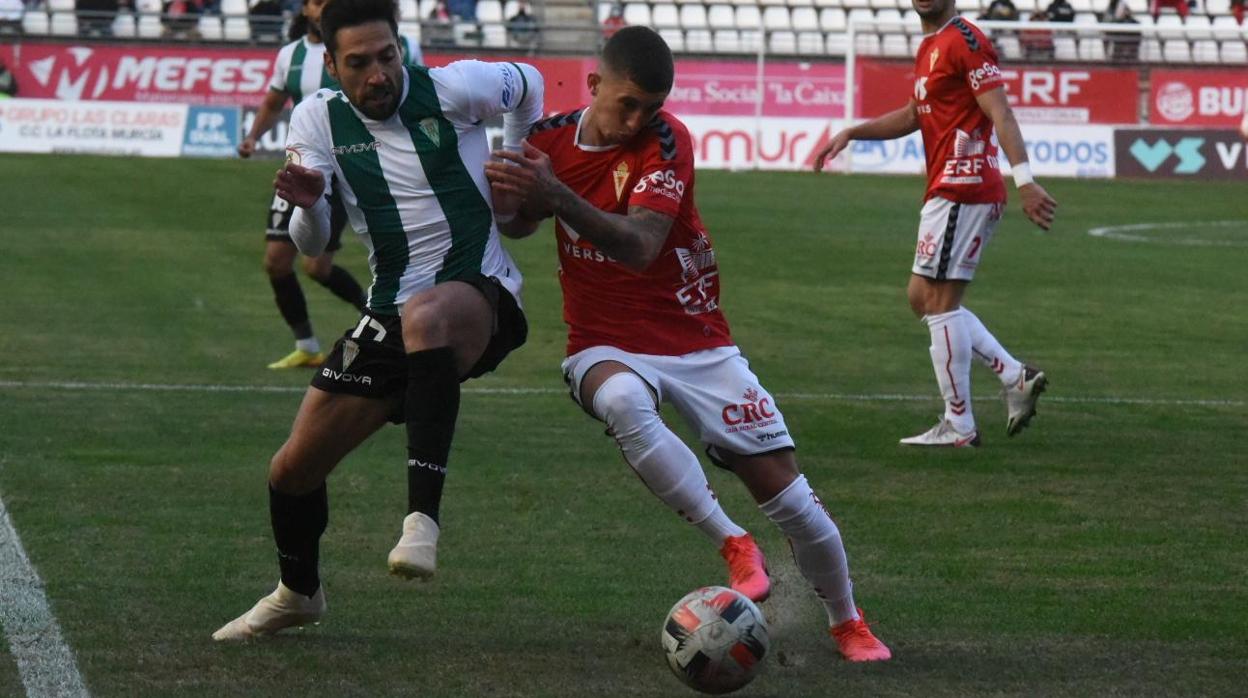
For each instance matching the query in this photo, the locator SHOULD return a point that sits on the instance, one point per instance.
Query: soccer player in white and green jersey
(408, 148)
(299, 71)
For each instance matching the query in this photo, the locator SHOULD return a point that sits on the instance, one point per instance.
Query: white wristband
(1022, 175)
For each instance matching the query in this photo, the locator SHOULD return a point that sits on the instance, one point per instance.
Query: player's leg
(327, 427)
(949, 243)
(612, 392)
(279, 265)
(453, 331)
(338, 280)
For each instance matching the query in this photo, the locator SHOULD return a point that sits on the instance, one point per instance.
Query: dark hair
(352, 13)
(298, 27)
(640, 55)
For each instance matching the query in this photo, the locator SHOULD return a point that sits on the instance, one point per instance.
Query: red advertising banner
(216, 76)
(730, 88)
(1039, 94)
(1198, 97)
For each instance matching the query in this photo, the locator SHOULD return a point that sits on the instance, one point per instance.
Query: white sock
(309, 345)
(817, 547)
(951, 359)
(662, 461)
(989, 351)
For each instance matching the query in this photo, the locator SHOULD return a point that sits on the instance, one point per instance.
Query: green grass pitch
(1100, 553)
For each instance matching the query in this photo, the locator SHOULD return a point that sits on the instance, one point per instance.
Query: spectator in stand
(1237, 9)
(266, 20)
(1059, 11)
(11, 16)
(614, 21)
(95, 17)
(522, 27)
(1156, 6)
(1037, 44)
(463, 10)
(1120, 46)
(438, 27)
(8, 83)
(181, 18)
(1001, 11)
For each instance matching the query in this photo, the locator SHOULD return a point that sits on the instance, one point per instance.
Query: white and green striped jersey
(414, 184)
(299, 69)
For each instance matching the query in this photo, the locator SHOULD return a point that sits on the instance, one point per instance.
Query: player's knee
(625, 403)
(286, 475)
(278, 266)
(318, 267)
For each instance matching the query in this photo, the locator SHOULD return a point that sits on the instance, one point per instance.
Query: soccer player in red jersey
(959, 104)
(641, 300)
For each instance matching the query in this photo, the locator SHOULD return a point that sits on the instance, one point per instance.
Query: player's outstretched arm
(1038, 206)
(633, 240)
(895, 124)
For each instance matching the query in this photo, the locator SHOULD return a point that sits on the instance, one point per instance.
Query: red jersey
(955, 65)
(670, 308)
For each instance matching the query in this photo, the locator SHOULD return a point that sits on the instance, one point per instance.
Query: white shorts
(952, 238)
(713, 390)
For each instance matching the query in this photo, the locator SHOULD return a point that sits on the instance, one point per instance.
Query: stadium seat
(878, 5)
(777, 19)
(149, 26)
(488, 11)
(1169, 27)
(637, 13)
(771, 3)
(35, 22)
(61, 5)
(234, 8)
(809, 43)
(832, 19)
(804, 19)
(1065, 49)
(668, 17)
(1198, 27)
(1026, 7)
(751, 40)
(64, 24)
(1150, 51)
(749, 17)
(1091, 49)
(123, 25)
(782, 42)
(210, 28)
(1234, 52)
(1225, 28)
(727, 41)
(889, 21)
(409, 11)
(699, 41)
(828, 3)
(862, 17)
(896, 45)
(1009, 48)
(801, 3)
(1138, 7)
(910, 20)
(1084, 6)
(721, 17)
(1205, 51)
(411, 29)
(604, 11)
(853, 4)
(1218, 7)
(867, 44)
(493, 35)
(1176, 51)
(836, 43)
(237, 29)
(675, 39)
(693, 16)
(916, 40)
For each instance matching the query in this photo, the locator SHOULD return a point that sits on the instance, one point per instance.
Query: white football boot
(1021, 397)
(415, 556)
(283, 608)
(943, 434)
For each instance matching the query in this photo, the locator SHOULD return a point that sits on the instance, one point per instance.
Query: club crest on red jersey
(619, 178)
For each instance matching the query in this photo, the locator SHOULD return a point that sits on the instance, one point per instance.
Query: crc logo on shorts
(663, 182)
(753, 413)
(984, 74)
(926, 246)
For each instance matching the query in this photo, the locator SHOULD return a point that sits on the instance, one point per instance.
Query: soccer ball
(715, 640)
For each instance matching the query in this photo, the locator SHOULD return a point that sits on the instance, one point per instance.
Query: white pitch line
(1125, 233)
(830, 397)
(44, 661)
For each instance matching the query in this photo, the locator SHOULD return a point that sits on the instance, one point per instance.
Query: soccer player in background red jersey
(959, 104)
(641, 300)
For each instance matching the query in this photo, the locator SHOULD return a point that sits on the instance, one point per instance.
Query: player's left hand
(299, 185)
(1039, 207)
(527, 175)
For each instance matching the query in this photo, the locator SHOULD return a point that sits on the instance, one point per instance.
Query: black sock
(432, 405)
(298, 522)
(343, 285)
(291, 303)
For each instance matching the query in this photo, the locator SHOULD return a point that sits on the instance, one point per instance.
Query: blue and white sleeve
(473, 91)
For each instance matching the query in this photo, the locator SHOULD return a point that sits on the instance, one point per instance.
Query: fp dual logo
(1153, 156)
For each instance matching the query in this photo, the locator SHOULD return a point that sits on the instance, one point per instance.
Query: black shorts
(280, 211)
(369, 360)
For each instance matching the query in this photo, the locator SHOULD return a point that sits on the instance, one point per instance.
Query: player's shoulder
(670, 136)
(964, 33)
(288, 49)
(315, 107)
(553, 127)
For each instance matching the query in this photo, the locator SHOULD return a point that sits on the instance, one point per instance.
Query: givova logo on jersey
(662, 182)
